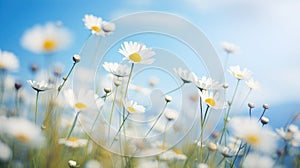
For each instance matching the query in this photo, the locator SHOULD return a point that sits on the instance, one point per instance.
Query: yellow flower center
(72, 139)
(49, 45)
(131, 109)
(135, 57)
(96, 28)
(253, 139)
(210, 102)
(177, 151)
(22, 138)
(80, 105)
(239, 76)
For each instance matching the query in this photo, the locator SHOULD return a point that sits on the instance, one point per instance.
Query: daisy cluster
(47, 123)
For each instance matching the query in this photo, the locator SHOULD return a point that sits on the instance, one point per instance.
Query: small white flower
(40, 86)
(73, 142)
(202, 165)
(252, 84)
(238, 73)
(94, 24)
(172, 155)
(132, 107)
(185, 75)
(136, 53)
(93, 164)
(8, 61)
(249, 130)
(72, 164)
(207, 83)
(291, 135)
(119, 70)
(85, 100)
(6, 152)
(254, 160)
(46, 38)
(171, 114)
(229, 47)
(23, 131)
(212, 99)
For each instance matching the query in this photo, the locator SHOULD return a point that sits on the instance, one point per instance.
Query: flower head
(171, 114)
(172, 155)
(238, 73)
(185, 75)
(46, 38)
(40, 86)
(229, 47)
(291, 135)
(254, 160)
(133, 107)
(252, 84)
(212, 99)
(119, 70)
(137, 53)
(8, 61)
(73, 142)
(207, 83)
(85, 100)
(97, 25)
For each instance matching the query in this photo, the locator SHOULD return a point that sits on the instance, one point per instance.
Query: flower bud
(18, 85)
(265, 106)
(72, 164)
(168, 99)
(251, 105)
(107, 90)
(108, 26)
(76, 58)
(264, 120)
(212, 146)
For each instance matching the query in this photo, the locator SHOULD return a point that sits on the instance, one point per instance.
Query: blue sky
(267, 32)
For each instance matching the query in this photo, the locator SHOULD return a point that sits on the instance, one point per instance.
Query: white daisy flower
(94, 24)
(8, 61)
(291, 135)
(40, 86)
(249, 130)
(212, 99)
(132, 107)
(229, 47)
(85, 100)
(252, 84)
(46, 38)
(185, 75)
(207, 83)
(119, 70)
(23, 131)
(6, 152)
(136, 53)
(238, 73)
(172, 155)
(93, 164)
(73, 142)
(254, 160)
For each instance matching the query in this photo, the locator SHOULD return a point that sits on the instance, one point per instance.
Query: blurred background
(267, 33)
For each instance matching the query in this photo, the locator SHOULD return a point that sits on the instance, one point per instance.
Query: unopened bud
(107, 90)
(168, 99)
(265, 106)
(251, 105)
(264, 120)
(18, 85)
(212, 146)
(72, 164)
(76, 58)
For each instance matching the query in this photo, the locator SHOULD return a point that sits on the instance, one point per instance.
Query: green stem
(123, 122)
(175, 89)
(73, 125)
(17, 102)
(98, 113)
(112, 110)
(65, 79)
(155, 122)
(36, 106)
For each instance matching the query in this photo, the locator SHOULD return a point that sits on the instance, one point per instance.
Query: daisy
(8, 61)
(136, 53)
(46, 38)
(229, 47)
(254, 160)
(119, 70)
(5, 153)
(40, 86)
(185, 75)
(84, 100)
(252, 84)
(172, 155)
(207, 83)
(291, 135)
(249, 130)
(238, 73)
(23, 131)
(73, 142)
(212, 99)
(132, 107)
(94, 24)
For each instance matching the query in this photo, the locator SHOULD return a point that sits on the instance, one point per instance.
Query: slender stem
(73, 125)
(220, 161)
(228, 110)
(201, 134)
(250, 112)
(112, 110)
(17, 102)
(236, 155)
(245, 98)
(175, 89)
(263, 113)
(128, 82)
(205, 115)
(65, 79)
(123, 122)
(98, 113)
(155, 122)
(36, 106)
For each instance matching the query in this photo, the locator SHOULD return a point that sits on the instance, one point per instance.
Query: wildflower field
(124, 103)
